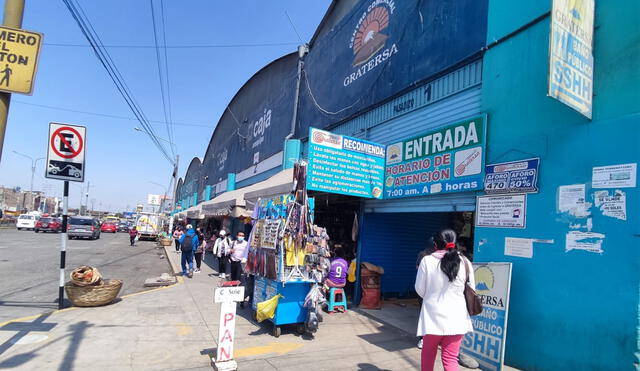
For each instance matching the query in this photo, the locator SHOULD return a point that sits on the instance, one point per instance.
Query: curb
(174, 267)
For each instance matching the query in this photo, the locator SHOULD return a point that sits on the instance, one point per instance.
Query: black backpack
(187, 244)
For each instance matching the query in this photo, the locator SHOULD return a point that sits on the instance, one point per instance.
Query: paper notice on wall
(522, 247)
(614, 206)
(615, 176)
(571, 199)
(587, 241)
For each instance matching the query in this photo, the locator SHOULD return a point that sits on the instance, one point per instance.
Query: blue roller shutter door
(393, 241)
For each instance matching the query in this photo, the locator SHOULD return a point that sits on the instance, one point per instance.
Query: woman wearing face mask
(238, 249)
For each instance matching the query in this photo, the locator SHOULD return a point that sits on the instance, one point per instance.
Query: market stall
(289, 257)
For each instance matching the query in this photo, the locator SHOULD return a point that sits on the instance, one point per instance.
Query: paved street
(29, 267)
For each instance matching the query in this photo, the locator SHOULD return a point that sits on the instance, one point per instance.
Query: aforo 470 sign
(447, 160)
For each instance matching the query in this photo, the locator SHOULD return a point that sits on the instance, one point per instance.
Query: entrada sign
(450, 159)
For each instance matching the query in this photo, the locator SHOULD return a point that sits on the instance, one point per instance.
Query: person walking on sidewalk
(176, 238)
(188, 245)
(221, 249)
(133, 233)
(202, 242)
(443, 317)
(238, 256)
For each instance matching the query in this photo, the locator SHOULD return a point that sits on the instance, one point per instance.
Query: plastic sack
(267, 308)
(85, 276)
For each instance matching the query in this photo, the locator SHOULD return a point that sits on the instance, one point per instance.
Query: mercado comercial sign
(571, 54)
(487, 341)
(450, 159)
(345, 165)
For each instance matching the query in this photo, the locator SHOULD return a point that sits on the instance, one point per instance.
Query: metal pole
(63, 245)
(13, 12)
(174, 196)
(86, 202)
(33, 173)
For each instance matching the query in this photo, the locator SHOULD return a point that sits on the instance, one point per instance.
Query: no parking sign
(65, 152)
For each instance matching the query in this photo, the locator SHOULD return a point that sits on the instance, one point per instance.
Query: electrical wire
(93, 37)
(144, 122)
(197, 46)
(107, 62)
(106, 114)
(166, 67)
(162, 91)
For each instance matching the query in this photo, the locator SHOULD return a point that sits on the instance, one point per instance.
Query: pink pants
(450, 345)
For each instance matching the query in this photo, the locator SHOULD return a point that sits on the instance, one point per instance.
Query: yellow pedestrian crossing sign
(19, 50)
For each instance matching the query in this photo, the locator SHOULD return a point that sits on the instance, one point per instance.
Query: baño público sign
(450, 159)
(345, 165)
(487, 341)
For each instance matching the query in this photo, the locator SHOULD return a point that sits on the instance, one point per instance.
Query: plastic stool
(332, 299)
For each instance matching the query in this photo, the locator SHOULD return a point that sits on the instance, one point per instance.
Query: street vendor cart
(288, 256)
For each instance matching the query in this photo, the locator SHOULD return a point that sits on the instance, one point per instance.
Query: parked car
(83, 227)
(108, 227)
(26, 221)
(48, 224)
(123, 227)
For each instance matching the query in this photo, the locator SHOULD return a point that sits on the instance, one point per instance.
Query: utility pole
(34, 163)
(86, 202)
(13, 12)
(173, 195)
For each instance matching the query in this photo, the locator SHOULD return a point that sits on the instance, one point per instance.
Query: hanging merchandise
(288, 255)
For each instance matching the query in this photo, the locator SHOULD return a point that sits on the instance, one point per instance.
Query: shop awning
(239, 203)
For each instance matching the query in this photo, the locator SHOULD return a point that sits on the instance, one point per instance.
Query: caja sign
(450, 159)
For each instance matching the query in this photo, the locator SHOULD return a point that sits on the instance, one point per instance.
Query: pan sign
(19, 50)
(66, 149)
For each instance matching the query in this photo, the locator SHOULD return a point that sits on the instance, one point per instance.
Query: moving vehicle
(83, 227)
(111, 219)
(123, 227)
(48, 224)
(147, 226)
(108, 227)
(26, 221)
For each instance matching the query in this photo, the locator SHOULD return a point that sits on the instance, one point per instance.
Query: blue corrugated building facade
(385, 71)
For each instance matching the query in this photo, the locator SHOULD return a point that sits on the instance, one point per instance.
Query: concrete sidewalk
(175, 328)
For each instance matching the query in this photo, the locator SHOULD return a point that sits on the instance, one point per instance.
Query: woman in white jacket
(443, 318)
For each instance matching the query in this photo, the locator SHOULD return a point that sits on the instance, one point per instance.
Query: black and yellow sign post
(19, 50)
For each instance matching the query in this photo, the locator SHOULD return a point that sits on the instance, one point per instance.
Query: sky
(71, 86)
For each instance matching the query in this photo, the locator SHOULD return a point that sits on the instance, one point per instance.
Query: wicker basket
(93, 296)
(165, 242)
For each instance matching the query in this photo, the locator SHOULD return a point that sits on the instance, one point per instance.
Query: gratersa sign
(370, 38)
(450, 159)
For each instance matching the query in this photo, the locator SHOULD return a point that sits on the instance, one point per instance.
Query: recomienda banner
(345, 165)
(487, 341)
(381, 47)
(571, 54)
(449, 159)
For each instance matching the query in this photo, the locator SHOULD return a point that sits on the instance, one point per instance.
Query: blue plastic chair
(333, 292)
